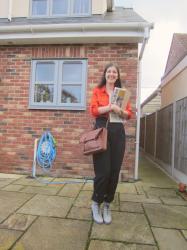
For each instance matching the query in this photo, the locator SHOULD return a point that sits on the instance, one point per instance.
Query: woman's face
(111, 75)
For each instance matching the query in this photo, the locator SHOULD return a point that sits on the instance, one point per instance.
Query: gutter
(73, 27)
(138, 106)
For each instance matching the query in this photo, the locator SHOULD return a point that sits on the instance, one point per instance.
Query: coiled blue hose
(45, 155)
(46, 151)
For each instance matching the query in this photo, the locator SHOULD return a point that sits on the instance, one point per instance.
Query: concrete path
(149, 214)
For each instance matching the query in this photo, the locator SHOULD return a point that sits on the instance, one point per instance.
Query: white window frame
(69, 14)
(57, 86)
(47, 14)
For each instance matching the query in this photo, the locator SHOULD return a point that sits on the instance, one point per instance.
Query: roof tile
(178, 51)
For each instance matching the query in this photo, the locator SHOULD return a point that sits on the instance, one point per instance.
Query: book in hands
(119, 97)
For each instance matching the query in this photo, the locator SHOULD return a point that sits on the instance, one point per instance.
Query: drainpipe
(10, 10)
(146, 37)
(110, 5)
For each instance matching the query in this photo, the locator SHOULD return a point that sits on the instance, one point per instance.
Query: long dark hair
(103, 79)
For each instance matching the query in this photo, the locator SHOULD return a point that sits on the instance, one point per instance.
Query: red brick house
(52, 54)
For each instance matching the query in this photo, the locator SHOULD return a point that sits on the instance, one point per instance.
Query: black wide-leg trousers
(107, 164)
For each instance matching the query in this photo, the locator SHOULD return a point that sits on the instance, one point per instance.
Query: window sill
(81, 108)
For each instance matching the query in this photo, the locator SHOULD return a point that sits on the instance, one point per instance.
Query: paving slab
(52, 233)
(173, 201)
(169, 239)
(8, 238)
(29, 182)
(185, 233)
(166, 216)
(12, 187)
(126, 188)
(10, 176)
(131, 207)
(48, 190)
(45, 205)
(183, 196)
(152, 175)
(125, 227)
(72, 180)
(80, 213)
(83, 199)
(114, 206)
(161, 184)
(11, 201)
(138, 198)
(4, 182)
(107, 245)
(18, 222)
(161, 192)
(139, 187)
(71, 190)
(88, 186)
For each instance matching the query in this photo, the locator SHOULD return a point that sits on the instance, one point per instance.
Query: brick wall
(19, 125)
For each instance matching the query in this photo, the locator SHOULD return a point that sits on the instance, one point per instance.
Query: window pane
(43, 93)
(72, 72)
(81, 7)
(71, 94)
(60, 7)
(39, 7)
(45, 72)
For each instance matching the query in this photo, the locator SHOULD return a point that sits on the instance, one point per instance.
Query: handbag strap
(107, 123)
(106, 119)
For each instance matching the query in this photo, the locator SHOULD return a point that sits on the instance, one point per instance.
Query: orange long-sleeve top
(100, 98)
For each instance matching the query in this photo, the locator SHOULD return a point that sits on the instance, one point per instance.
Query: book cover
(119, 97)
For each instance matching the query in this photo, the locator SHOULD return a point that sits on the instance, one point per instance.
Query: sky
(168, 16)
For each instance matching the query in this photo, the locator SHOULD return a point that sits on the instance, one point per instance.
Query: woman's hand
(115, 108)
(104, 109)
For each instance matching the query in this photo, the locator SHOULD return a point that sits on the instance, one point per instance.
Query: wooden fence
(180, 159)
(163, 136)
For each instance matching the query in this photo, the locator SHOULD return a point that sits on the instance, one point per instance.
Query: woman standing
(107, 164)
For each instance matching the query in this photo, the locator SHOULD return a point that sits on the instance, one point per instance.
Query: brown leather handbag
(94, 141)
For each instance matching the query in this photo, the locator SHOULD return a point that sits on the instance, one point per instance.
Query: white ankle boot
(96, 212)
(107, 213)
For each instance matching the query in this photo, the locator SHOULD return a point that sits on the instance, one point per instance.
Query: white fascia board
(174, 72)
(73, 37)
(76, 31)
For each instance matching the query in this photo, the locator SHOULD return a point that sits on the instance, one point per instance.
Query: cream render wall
(20, 8)
(99, 6)
(4, 6)
(175, 90)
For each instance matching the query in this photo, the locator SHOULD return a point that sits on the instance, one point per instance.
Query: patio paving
(126, 227)
(55, 234)
(149, 214)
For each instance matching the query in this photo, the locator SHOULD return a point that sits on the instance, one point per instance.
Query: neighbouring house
(52, 55)
(174, 81)
(164, 133)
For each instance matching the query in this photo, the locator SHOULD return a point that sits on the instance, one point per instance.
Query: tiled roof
(178, 51)
(119, 15)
